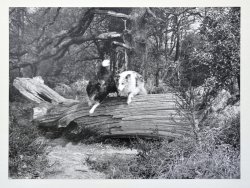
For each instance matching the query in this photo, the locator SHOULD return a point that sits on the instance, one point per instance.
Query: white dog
(131, 83)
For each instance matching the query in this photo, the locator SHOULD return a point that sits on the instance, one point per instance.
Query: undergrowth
(217, 156)
(26, 151)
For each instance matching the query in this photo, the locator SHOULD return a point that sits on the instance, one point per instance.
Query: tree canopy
(166, 45)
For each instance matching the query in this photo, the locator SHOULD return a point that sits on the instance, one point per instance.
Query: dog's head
(123, 80)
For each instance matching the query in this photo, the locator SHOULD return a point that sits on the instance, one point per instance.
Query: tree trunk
(157, 78)
(126, 59)
(148, 116)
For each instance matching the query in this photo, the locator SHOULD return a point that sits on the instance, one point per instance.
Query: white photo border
(244, 181)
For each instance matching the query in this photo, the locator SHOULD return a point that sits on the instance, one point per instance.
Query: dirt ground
(68, 160)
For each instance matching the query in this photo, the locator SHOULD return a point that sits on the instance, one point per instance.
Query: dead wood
(149, 116)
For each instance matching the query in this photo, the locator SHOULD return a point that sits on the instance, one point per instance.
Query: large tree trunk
(149, 116)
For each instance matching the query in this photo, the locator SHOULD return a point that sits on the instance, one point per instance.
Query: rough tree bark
(148, 116)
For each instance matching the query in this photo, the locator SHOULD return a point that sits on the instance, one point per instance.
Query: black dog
(98, 89)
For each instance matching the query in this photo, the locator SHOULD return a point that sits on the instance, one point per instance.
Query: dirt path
(68, 161)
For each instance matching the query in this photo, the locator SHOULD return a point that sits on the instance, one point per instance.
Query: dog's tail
(106, 63)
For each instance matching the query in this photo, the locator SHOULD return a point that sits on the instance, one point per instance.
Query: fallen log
(35, 90)
(149, 116)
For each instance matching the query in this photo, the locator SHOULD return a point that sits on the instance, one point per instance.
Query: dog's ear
(128, 76)
(140, 78)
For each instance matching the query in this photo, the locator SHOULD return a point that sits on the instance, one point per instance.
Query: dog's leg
(90, 100)
(94, 107)
(130, 96)
(117, 94)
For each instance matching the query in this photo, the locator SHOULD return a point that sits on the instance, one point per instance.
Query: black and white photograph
(124, 92)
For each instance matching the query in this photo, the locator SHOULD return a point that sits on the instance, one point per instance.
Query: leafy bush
(26, 151)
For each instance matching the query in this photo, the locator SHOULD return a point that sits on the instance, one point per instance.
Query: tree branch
(18, 54)
(45, 27)
(11, 10)
(59, 51)
(114, 14)
(75, 33)
(88, 59)
(18, 66)
(122, 45)
(153, 15)
(109, 35)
